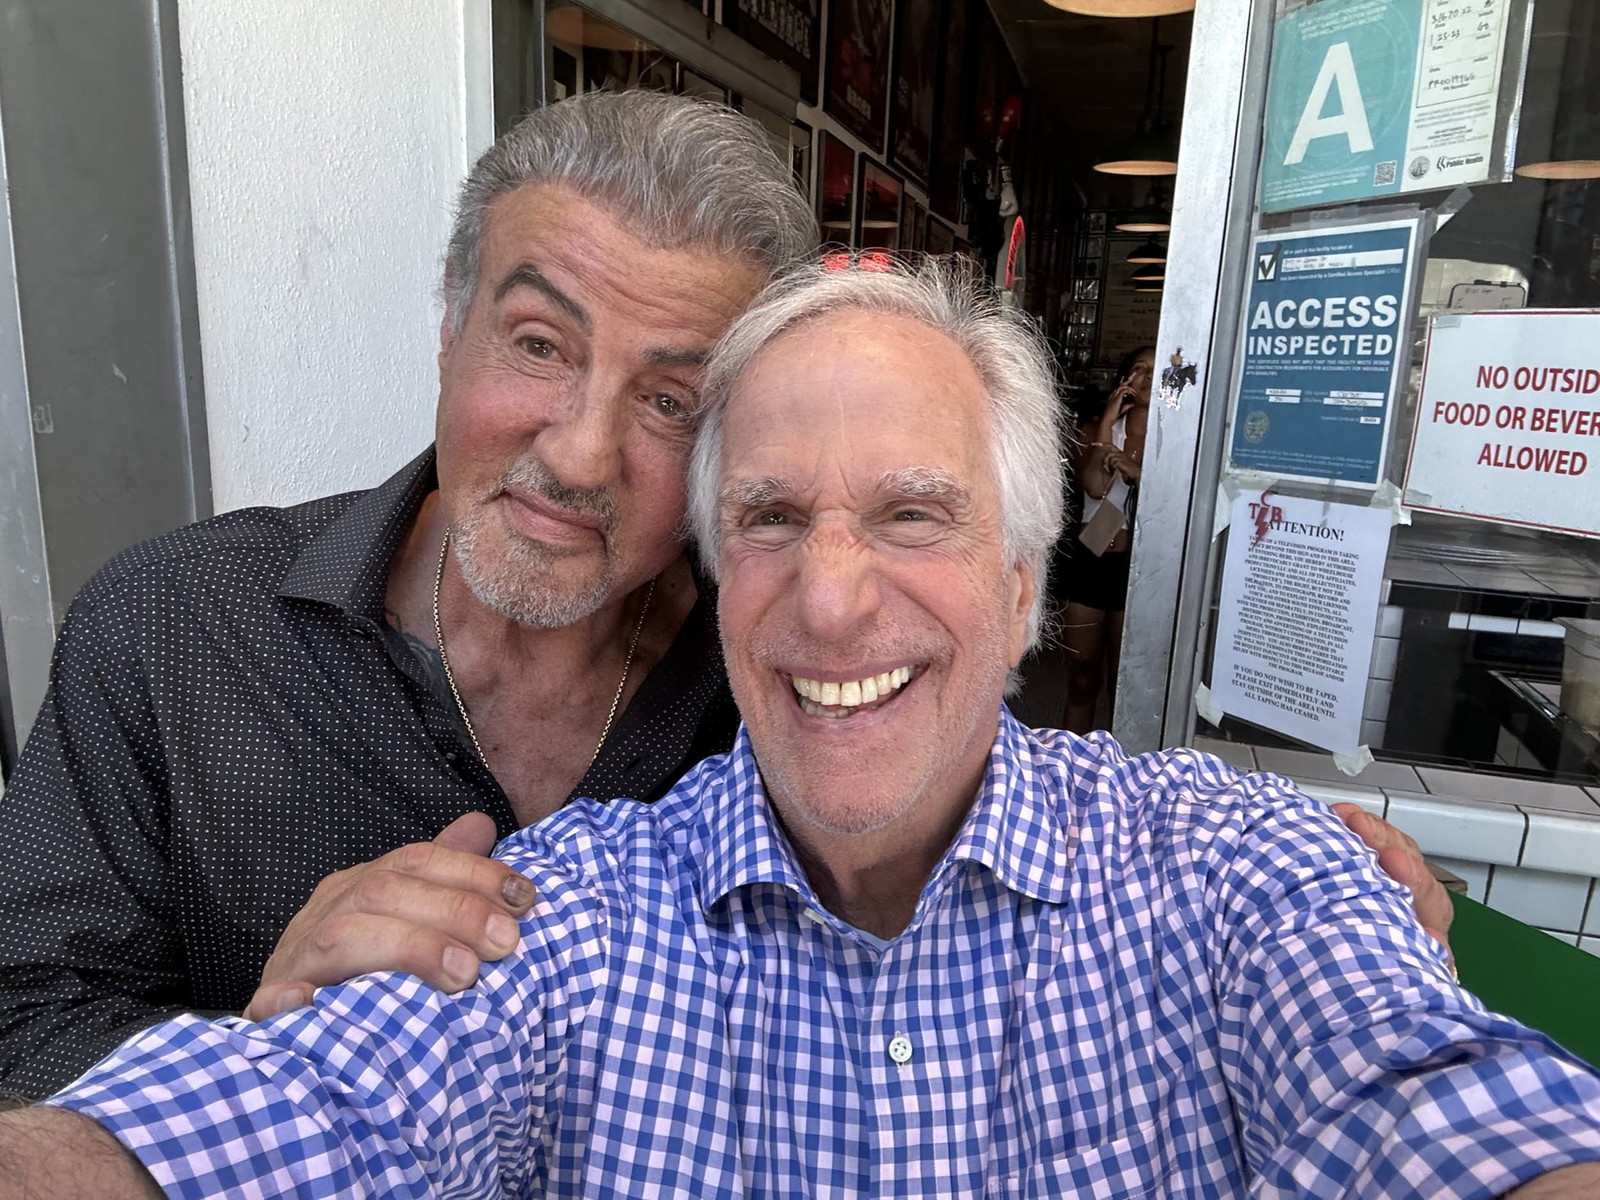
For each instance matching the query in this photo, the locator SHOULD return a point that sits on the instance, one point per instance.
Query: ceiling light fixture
(1150, 274)
(1123, 8)
(1154, 148)
(1150, 217)
(1148, 251)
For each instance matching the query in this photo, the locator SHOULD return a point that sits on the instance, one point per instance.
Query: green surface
(1524, 973)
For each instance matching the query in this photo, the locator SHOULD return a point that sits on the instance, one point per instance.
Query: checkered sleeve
(383, 1087)
(1356, 1064)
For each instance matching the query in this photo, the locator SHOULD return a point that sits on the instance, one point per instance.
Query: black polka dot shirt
(229, 720)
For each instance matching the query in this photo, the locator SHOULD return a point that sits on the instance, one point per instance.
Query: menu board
(1381, 97)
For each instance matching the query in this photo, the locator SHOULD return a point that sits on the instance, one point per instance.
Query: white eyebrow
(924, 483)
(907, 483)
(752, 493)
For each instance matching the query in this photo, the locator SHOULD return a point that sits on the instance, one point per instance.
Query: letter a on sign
(1338, 71)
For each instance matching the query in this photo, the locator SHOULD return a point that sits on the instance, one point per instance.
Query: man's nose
(837, 589)
(582, 443)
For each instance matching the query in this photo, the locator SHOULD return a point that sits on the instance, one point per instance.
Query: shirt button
(900, 1049)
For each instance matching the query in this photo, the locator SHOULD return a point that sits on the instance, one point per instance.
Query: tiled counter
(1528, 849)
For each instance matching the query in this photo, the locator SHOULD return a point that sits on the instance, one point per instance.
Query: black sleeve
(89, 946)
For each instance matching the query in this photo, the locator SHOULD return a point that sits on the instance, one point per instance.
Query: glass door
(1376, 510)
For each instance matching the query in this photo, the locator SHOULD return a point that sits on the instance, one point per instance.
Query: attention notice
(1508, 420)
(1297, 615)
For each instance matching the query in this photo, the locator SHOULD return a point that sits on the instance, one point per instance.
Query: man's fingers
(463, 915)
(359, 943)
(462, 870)
(274, 998)
(472, 833)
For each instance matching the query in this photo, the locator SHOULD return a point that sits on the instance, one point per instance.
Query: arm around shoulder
(53, 1154)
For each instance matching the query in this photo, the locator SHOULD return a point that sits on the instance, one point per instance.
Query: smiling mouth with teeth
(838, 700)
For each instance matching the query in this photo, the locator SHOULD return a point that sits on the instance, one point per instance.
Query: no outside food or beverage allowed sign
(1508, 420)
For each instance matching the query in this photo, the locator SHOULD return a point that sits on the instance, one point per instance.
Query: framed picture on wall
(855, 86)
(800, 139)
(836, 193)
(787, 30)
(913, 221)
(941, 237)
(880, 193)
(950, 126)
(916, 76)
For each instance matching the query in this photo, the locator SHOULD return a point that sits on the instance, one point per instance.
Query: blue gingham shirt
(1127, 977)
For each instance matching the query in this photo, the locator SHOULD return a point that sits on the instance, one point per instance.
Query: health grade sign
(1508, 420)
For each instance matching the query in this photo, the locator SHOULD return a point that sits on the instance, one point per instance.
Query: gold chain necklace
(449, 676)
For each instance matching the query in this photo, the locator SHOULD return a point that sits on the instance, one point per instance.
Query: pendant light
(1150, 274)
(1147, 251)
(1124, 8)
(1560, 128)
(1154, 148)
(1147, 287)
(1150, 217)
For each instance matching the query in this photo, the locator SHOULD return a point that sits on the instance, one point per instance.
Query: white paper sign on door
(1297, 615)
(1508, 420)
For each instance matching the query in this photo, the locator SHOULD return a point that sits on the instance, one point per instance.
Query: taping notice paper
(1297, 616)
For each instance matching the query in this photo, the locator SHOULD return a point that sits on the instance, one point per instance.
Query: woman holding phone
(1095, 581)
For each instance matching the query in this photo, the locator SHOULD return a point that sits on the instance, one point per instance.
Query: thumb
(275, 998)
(472, 833)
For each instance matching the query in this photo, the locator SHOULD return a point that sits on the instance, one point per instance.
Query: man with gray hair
(244, 710)
(893, 943)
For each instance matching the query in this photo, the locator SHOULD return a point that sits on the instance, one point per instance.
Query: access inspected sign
(1323, 345)
(1508, 419)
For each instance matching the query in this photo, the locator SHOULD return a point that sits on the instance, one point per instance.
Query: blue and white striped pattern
(1128, 977)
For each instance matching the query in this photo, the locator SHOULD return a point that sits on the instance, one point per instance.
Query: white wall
(325, 139)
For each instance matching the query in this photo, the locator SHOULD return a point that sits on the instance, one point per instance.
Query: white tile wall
(1391, 618)
(1544, 899)
(1591, 944)
(1559, 797)
(1301, 765)
(1371, 799)
(1376, 707)
(1239, 755)
(1559, 842)
(1385, 651)
(1486, 833)
(1475, 873)
(1591, 923)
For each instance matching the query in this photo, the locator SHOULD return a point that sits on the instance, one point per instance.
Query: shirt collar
(1014, 828)
(347, 563)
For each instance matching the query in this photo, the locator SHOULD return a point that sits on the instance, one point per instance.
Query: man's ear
(1022, 588)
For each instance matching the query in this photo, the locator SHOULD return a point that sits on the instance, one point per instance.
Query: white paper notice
(1508, 421)
(1297, 615)
(1458, 88)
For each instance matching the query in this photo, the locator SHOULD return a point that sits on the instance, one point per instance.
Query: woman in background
(1095, 581)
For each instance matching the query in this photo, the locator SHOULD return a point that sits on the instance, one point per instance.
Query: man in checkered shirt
(919, 950)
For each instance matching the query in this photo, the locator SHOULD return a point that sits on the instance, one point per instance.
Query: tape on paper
(1356, 762)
